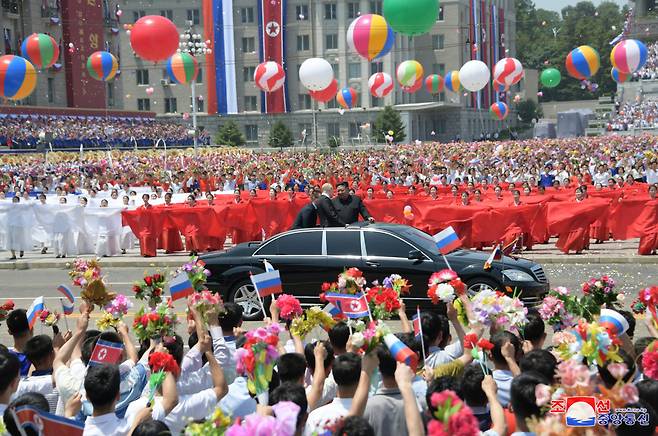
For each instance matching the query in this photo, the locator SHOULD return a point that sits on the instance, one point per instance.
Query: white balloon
(474, 75)
(316, 74)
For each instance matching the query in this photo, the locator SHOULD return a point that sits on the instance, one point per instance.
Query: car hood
(477, 256)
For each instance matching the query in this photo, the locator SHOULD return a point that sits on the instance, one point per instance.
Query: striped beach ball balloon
(452, 82)
(41, 50)
(380, 85)
(370, 36)
(409, 72)
(269, 76)
(499, 87)
(347, 98)
(583, 62)
(182, 68)
(628, 56)
(508, 71)
(499, 110)
(434, 84)
(102, 65)
(619, 77)
(18, 78)
(413, 88)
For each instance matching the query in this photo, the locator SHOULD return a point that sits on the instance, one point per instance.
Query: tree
(334, 142)
(280, 135)
(528, 110)
(388, 120)
(230, 134)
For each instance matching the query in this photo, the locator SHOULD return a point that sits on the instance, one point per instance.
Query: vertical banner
(220, 64)
(484, 49)
(271, 31)
(82, 22)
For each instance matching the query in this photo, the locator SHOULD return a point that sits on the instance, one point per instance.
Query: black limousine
(306, 258)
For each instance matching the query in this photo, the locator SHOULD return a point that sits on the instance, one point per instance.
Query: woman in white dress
(18, 229)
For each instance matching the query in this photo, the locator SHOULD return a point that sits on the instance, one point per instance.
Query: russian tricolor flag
(496, 254)
(267, 283)
(180, 287)
(66, 292)
(331, 309)
(34, 311)
(447, 240)
(401, 353)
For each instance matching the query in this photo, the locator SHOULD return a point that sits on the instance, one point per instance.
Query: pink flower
(618, 370)
(542, 394)
(630, 393)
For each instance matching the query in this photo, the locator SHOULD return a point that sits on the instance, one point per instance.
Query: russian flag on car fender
(267, 283)
(34, 311)
(447, 240)
(180, 287)
(47, 423)
(401, 353)
(352, 306)
(496, 254)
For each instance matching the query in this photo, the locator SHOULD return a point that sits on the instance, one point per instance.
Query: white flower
(358, 340)
(621, 297)
(598, 284)
(445, 292)
(342, 282)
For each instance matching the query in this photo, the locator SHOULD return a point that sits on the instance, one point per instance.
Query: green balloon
(550, 77)
(411, 17)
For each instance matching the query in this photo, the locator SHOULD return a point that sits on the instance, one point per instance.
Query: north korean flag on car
(44, 423)
(106, 352)
(352, 306)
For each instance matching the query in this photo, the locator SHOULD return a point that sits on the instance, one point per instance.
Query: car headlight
(518, 276)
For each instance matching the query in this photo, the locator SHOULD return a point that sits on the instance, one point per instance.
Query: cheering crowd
(20, 132)
(498, 375)
(650, 70)
(635, 115)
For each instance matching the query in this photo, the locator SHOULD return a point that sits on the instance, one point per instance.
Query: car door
(343, 249)
(387, 254)
(297, 255)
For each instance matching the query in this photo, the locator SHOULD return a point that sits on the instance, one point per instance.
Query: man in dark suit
(349, 207)
(326, 209)
(308, 216)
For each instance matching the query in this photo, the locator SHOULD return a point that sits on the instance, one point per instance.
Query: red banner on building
(272, 25)
(83, 23)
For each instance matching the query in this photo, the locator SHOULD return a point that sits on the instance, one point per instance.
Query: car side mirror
(415, 255)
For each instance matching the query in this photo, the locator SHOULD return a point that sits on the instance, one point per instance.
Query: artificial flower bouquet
(452, 416)
(150, 289)
(650, 360)
(350, 281)
(444, 286)
(196, 272)
(589, 341)
(257, 357)
(384, 302)
(649, 298)
(88, 275)
(478, 349)
(155, 323)
(283, 423)
(289, 307)
(48, 318)
(512, 314)
(397, 283)
(602, 291)
(114, 312)
(160, 364)
(215, 425)
(311, 318)
(6, 307)
(206, 303)
(367, 337)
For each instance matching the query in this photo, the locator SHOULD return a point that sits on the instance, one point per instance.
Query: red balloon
(326, 94)
(154, 38)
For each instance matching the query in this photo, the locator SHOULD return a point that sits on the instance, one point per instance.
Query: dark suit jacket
(327, 213)
(349, 210)
(306, 218)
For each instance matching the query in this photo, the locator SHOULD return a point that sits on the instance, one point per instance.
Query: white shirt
(42, 384)
(322, 418)
(105, 425)
(238, 402)
(438, 356)
(328, 391)
(503, 380)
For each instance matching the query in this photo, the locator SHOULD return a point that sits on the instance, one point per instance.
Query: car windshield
(419, 238)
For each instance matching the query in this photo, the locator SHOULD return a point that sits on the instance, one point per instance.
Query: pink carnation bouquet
(114, 312)
(257, 357)
(206, 302)
(452, 416)
(289, 307)
(283, 423)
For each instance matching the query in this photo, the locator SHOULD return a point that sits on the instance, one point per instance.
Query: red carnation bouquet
(160, 364)
(384, 302)
(650, 361)
(452, 416)
(444, 286)
(289, 307)
(601, 291)
(6, 307)
(155, 323)
(150, 289)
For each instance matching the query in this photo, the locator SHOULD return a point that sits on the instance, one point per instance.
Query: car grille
(532, 301)
(539, 273)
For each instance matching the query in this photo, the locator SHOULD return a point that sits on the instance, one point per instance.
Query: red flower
(157, 277)
(163, 362)
(136, 288)
(354, 272)
(470, 340)
(271, 340)
(485, 344)
(326, 286)
(153, 317)
(145, 321)
(586, 288)
(148, 280)
(157, 292)
(458, 286)
(9, 305)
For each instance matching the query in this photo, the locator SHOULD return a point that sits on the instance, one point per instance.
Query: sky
(557, 5)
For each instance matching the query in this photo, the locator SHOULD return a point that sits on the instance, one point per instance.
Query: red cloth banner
(83, 26)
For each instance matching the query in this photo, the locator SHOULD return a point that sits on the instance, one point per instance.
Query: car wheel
(244, 295)
(478, 284)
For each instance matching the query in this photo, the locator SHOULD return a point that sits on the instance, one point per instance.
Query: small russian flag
(331, 309)
(267, 283)
(34, 311)
(67, 307)
(496, 254)
(447, 240)
(268, 266)
(66, 292)
(401, 353)
(180, 287)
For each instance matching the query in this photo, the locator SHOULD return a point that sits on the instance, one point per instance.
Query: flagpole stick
(368, 306)
(66, 320)
(445, 259)
(420, 328)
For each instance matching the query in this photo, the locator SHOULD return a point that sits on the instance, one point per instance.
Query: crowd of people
(25, 132)
(634, 115)
(485, 380)
(650, 69)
